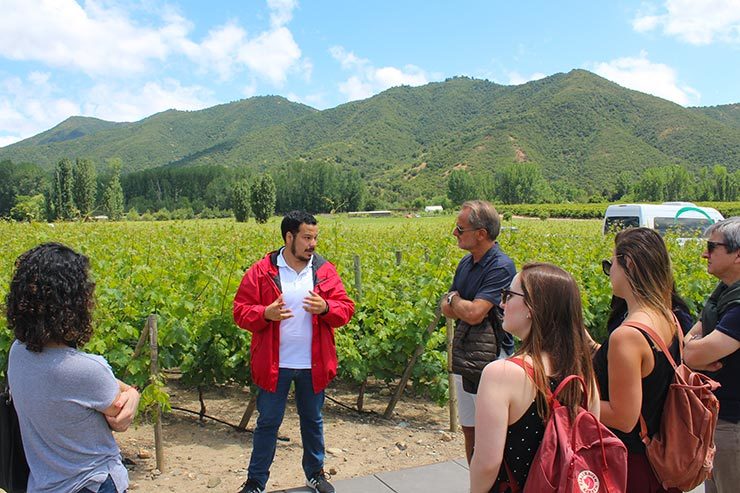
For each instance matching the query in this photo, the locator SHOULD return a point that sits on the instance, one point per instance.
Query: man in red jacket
(291, 301)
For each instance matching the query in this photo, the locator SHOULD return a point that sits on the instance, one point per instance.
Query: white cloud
(104, 41)
(696, 22)
(118, 103)
(271, 55)
(281, 12)
(368, 80)
(515, 78)
(94, 39)
(7, 140)
(643, 75)
(31, 105)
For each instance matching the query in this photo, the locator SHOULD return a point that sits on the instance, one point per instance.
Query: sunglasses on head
(506, 295)
(711, 245)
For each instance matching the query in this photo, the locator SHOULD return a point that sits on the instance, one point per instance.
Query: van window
(682, 225)
(617, 223)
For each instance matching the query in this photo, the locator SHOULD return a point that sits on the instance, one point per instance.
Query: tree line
(74, 190)
(77, 190)
(524, 183)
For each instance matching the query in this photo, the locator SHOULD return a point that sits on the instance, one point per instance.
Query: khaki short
(466, 400)
(465, 404)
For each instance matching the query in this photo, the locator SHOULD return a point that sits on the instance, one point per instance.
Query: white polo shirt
(296, 332)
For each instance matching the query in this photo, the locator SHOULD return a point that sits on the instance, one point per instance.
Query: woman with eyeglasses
(633, 374)
(543, 309)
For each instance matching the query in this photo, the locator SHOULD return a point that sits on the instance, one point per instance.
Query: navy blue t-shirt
(484, 280)
(727, 376)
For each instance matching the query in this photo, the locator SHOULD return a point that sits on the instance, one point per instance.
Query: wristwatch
(450, 296)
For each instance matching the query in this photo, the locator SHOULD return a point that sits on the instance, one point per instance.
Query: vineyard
(187, 273)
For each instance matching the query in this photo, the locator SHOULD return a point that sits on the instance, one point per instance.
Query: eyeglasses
(506, 295)
(711, 245)
(606, 266)
(463, 230)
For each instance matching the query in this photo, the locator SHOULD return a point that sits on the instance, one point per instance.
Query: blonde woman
(633, 374)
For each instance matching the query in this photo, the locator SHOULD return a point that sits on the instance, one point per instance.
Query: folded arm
(121, 413)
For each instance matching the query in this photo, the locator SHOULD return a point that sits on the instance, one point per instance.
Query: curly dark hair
(51, 297)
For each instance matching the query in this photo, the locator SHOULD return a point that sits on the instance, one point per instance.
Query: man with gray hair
(472, 300)
(712, 346)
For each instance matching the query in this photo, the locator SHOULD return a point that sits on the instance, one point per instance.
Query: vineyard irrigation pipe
(235, 427)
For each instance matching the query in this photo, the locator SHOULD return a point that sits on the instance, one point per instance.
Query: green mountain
(577, 126)
(157, 140)
(74, 127)
(727, 113)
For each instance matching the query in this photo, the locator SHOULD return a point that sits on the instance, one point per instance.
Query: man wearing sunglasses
(472, 300)
(712, 345)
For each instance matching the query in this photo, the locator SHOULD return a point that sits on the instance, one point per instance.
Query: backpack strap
(658, 341)
(529, 369)
(511, 483)
(552, 396)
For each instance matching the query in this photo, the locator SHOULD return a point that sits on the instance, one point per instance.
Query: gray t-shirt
(59, 395)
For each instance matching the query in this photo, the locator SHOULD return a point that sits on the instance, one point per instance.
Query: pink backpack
(579, 456)
(681, 452)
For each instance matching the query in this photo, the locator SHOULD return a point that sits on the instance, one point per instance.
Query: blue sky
(125, 60)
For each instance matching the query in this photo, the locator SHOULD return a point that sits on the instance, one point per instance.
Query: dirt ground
(214, 457)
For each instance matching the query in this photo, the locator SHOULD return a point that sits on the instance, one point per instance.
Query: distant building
(433, 208)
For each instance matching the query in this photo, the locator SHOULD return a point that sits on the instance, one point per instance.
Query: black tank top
(523, 438)
(654, 390)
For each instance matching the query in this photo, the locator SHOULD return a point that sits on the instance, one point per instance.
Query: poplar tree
(62, 193)
(113, 195)
(263, 198)
(84, 186)
(240, 201)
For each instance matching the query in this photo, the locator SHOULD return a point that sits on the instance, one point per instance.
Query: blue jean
(108, 486)
(271, 408)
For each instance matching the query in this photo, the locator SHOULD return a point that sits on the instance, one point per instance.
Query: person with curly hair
(68, 401)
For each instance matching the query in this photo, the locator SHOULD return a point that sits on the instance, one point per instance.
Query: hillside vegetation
(404, 142)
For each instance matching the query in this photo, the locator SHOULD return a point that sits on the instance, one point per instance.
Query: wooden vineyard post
(358, 290)
(250, 409)
(410, 366)
(450, 376)
(154, 374)
(399, 257)
(358, 277)
(142, 340)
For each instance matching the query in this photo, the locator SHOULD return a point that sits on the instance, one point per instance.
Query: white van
(680, 217)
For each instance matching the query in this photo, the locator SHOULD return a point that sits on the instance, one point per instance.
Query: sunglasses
(711, 245)
(463, 230)
(506, 295)
(606, 266)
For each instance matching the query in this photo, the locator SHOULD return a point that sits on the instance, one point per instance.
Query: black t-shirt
(485, 279)
(729, 375)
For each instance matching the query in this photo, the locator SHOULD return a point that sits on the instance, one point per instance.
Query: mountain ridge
(577, 126)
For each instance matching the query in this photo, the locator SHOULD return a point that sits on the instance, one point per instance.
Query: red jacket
(259, 288)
